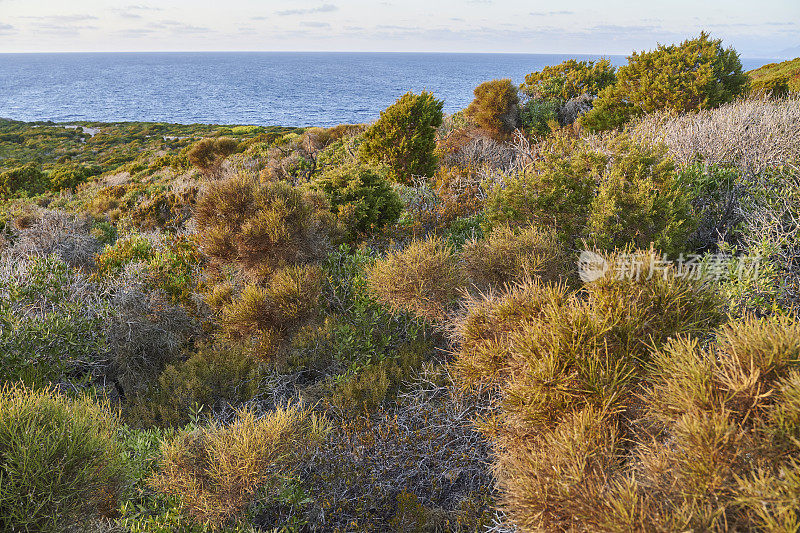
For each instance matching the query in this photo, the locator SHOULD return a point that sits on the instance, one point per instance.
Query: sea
(252, 88)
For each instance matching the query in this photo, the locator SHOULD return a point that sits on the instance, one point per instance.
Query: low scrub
(217, 471)
(59, 461)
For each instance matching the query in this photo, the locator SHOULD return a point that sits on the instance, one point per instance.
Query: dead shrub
(506, 256)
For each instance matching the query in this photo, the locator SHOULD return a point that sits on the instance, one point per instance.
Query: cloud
(6, 29)
(551, 13)
(53, 19)
(324, 8)
(313, 24)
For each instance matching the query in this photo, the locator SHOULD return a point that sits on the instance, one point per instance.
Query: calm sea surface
(286, 89)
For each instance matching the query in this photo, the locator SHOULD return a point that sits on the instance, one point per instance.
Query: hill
(790, 69)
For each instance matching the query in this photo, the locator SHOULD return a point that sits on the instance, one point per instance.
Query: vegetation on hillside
(490, 321)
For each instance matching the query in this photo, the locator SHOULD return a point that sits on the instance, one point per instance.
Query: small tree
(495, 107)
(404, 138)
(569, 79)
(697, 74)
(209, 154)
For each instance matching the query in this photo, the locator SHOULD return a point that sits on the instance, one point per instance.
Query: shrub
(697, 74)
(171, 264)
(537, 116)
(28, 179)
(290, 298)
(70, 176)
(214, 378)
(777, 87)
(563, 372)
(750, 135)
(639, 201)
(495, 107)
(424, 279)
(59, 462)
(569, 79)
(360, 198)
(50, 321)
(209, 154)
(369, 388)
(216, 471)
(260, 227)
(556, 192)
(166, 210)
(404, 137)
(507, 257)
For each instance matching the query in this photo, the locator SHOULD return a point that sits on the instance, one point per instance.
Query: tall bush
(495, 108)
(404, 138)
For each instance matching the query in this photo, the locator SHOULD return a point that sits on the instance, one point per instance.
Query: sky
(755, 28)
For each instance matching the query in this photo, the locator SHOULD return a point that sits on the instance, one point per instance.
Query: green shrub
(171, 264)
(569, 79)
(537, 116)
(697, 74)
(45, 331)
(360, 198)
(372, 385)
(28, 179)
(59, 463)
(404, 138)
(556, 193)
(70, 176)
(213, 378)
(640, 202)
(777, 87)
(495, 108)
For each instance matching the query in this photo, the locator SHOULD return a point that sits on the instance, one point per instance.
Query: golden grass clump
(217, 471)
(259, 226)
(423, 279)
(507, 256)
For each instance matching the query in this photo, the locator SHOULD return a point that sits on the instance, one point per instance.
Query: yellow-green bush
(563, 370)
(424, 279)
(214, 377)
(216, 471)
(59, 462)
(290, 298)
(506, 256)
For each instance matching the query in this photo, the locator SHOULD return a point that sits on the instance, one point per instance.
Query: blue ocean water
(262, 88)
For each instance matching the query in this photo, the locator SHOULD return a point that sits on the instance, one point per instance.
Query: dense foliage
(403, 138)
(489, 321)
(696, 74)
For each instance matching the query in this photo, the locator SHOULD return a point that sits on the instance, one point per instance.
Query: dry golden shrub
(423, 279)
(216, 471)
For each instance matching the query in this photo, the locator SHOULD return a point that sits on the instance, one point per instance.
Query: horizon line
(600, 54)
